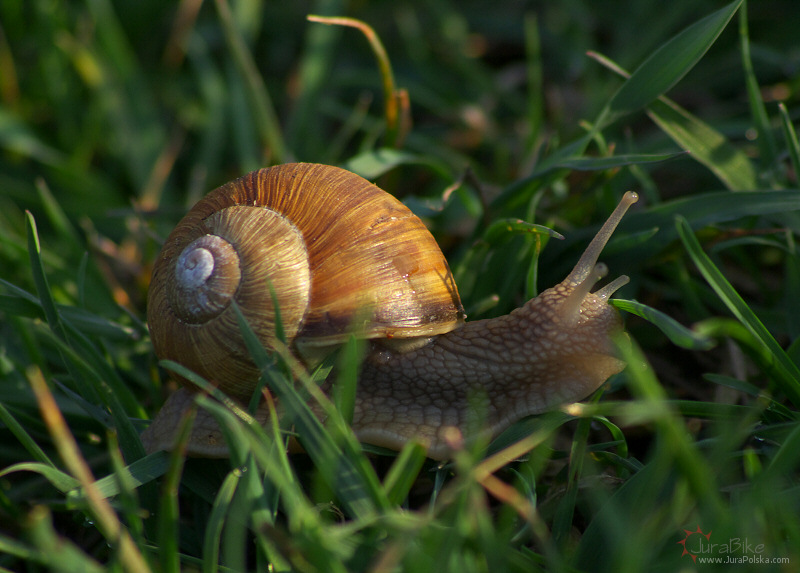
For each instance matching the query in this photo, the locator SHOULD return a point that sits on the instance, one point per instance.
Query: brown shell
(368, 258)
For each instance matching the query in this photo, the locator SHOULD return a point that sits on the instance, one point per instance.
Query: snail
(344, 256)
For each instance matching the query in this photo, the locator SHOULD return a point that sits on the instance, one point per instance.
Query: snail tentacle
(589, 257)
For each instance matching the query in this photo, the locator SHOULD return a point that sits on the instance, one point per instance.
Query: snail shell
(341, 254)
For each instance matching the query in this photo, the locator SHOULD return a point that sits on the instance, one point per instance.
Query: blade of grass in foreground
(140, 472)
(52, 550)
(403, 473)
(786, 372)
(247, 436)
(350, 475)
(676, 332)
(104, 515)
(58, 479)
(168, 508)
(216, 520)
(566, 507)
(676, 467)
(93, 387)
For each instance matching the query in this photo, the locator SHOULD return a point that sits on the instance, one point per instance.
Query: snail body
(343, 256)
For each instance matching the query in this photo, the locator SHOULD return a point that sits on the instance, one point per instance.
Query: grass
(115, 118)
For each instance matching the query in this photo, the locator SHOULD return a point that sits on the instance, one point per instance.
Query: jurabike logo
(698, 544)
(693, 536)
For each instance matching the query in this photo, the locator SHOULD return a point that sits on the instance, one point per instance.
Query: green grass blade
(313, 76)
(790, 135)
(501, 229)
(535, 108)
(248, 443)
(91, 324)
(404, 471)
(17, 138)
(565, 511)
(40, 279)
(116, 394)
(24, 437)
(216, 521)
(93, 387)
(786, 372)
(374, 163)
(568, 158)
(128, 500)
(349, 364)
(651, 396)
(56, 215)
(104, 515)
(58, 479)
(53, 318)
(705, 144)
(734, 329)
(234, 540)
(520, 191)
(674, 470)
(169, 509)
(614, 161)
(54, 551)
(710, 410)
(784, 463)
(616, 434)
(708, 209)
(667, 65)
(13, 547)
(672, 329)
(262, 109)
(735, 383)
(248, 437)
(766, 141)
(351, 476)
(140, 472)
(261, 500)
(23, 294)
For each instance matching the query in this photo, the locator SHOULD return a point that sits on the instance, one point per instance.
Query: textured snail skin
(555, 349)
(479, 375)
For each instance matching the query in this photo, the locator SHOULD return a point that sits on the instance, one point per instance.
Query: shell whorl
(206, 278)
(241, 251)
